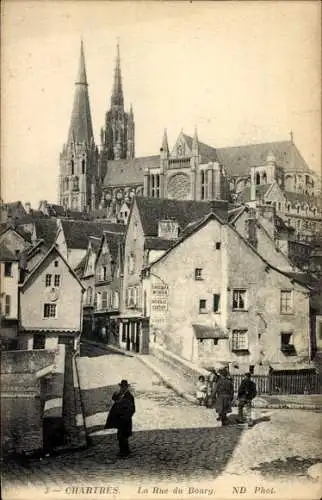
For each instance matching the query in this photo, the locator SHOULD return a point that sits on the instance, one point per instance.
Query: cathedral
(101, 180)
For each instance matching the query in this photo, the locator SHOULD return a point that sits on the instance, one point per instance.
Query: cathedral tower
(117, 138)
(79, 157)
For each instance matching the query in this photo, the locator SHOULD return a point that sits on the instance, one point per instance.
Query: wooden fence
(285, 383)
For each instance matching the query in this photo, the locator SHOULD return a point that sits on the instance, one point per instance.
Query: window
(218, 245)
(155, 185)
(48, 280)
(116, 300)
(203, 185)
(198, 273)
(216, 302)
(7, 305)
(72, 166)
(215, 341)
(49, 310)
(131, 263)
(89, 295)
(288, 207)
(258, 178)
(239, 299)
(104, 300)
(287, 343)
(132, 297)
(239, 340)
(286, 301)
(202, 306)
(8, 269)
(83, 166)
(57, 280)
(279, 206)
(39, 341)
(56, 263)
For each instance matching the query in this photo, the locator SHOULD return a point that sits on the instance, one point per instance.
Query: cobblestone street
(173, 440)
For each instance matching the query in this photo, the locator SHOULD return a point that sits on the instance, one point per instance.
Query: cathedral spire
(81, 128)
(195, 143)
(117, 94)
(165, 146)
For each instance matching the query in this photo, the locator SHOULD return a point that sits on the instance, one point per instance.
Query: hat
(124, 383)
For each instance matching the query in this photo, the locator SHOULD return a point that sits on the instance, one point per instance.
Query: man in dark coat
(246, 393)
(224, 392)
(120, 417)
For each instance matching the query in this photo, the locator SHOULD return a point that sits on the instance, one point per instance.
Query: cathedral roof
(129, 171)
(207, 153)
(81, 128)
(261, 190)
(302, 199)
(152, 210)
(238, 159)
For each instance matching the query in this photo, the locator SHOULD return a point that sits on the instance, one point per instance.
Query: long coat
(224, 392)
(120, 415)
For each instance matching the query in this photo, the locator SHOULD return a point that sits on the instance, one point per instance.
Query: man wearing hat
(120, 417)
(224, 393)
(246, 393)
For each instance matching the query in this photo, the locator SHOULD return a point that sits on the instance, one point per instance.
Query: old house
(9, 278)
(73, 235)
(108, 287)
(50, 304)
(213, 298)
(154, 226)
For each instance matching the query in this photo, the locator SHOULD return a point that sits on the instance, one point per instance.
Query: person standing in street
(224, 393)
(246, 393)
(120, 417)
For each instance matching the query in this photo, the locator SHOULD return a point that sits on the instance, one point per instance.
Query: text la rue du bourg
(191, 490)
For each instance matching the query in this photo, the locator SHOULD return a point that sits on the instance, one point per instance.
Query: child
(201, 390)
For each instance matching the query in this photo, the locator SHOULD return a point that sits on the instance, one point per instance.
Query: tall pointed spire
(117, 94)
(82, 79)
(195, 143)
(81, 128)
(165, 145)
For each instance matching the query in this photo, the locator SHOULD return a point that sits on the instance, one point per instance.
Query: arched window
(83, 166)
(298, 209)
(203, 185)
(279, 206)
(264, 178)
(314, 211)
(72, 163)
(288, 207)
(258, 178)
(76, 183)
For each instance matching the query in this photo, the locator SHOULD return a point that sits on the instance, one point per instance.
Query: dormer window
(168, 229)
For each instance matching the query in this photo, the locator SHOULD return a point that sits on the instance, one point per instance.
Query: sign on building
(159, 298)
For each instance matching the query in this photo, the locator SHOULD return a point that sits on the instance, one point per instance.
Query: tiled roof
(46, 230)
(6, 255)
(113, 239)
(130, 171)
(209, 332)
(24, 234)
(155, 243)
(304, 279)
(152, 210)
(244, 195)
(238, 159)
(77, 232)
(14, 209)
(207, 153)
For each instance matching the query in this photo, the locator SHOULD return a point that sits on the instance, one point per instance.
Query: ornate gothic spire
(81, 128)
(165, 146)
(117, 94)
(195, 143)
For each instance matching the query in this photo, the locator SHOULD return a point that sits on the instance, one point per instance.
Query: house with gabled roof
(108, 279)
(15, 238)
(50, 308)
(212, 298)
(154, 226)
(73, 235)
(9, 279)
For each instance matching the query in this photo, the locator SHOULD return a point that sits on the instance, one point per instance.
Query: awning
(282, 367)
(209, 332)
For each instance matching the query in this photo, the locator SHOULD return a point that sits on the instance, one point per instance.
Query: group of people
(218, 392)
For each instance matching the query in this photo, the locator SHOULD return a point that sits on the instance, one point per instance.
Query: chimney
(252, 186)
(251, 227)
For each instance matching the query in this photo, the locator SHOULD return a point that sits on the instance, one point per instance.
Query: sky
(241, 72)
